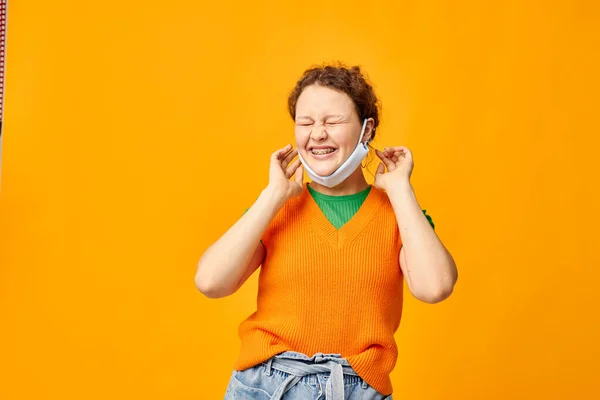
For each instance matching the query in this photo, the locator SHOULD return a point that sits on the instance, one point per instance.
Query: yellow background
(136, 132)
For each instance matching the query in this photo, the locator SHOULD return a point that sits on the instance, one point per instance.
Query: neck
(355, 183)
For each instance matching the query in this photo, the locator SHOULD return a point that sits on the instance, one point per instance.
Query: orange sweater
(327, 290)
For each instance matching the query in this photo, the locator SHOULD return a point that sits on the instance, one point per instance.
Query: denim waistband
(298, 365)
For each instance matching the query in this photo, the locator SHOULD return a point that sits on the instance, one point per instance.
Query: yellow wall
(137, 132)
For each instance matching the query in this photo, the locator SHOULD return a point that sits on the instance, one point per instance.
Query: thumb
(299, 175)
(380, 169)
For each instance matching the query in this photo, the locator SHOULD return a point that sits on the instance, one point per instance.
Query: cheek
(301, 135)
(343, 138)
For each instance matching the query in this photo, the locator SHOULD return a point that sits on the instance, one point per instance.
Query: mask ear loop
(369, 155)
(363, 164)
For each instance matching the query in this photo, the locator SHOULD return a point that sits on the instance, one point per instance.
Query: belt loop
(364, 384)
(268, 369)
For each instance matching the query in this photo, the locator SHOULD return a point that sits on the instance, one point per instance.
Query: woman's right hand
(281, 170)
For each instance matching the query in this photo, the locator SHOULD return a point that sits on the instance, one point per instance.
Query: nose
(318, 133)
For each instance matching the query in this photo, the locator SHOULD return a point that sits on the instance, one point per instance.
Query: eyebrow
(326, 116)
(335, 116)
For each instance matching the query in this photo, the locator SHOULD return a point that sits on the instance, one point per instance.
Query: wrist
(274, 196)
(401, 186)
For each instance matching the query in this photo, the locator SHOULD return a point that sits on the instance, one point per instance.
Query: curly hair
(349, 80)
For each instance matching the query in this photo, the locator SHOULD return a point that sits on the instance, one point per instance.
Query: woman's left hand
(399, 164)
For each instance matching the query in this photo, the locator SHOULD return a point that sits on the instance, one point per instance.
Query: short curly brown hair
(349, 80)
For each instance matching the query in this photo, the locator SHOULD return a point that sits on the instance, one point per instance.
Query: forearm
(224, 263)
(429, 268)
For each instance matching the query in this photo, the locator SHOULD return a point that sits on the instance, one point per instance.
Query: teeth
(322, 151)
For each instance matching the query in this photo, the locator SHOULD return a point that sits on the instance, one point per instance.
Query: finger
(402, 151)
(289, 157)
(394, 149)
(380, 169)
(289, 171)
(279, 154)
(388, 151)
(299, 175)
(381, 155)
(399, 153)
(388, 163)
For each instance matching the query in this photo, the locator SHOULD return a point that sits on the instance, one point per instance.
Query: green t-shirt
(340, 209)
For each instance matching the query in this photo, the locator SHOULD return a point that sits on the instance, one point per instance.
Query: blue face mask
(346, 169)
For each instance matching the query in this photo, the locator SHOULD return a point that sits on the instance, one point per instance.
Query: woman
(333, 253)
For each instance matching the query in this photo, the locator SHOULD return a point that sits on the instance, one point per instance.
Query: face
(327, 128)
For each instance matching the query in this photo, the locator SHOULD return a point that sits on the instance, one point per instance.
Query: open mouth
(321, 151)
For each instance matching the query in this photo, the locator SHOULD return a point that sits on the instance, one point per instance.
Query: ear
(369, 130)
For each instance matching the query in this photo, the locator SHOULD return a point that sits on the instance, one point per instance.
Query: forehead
(320, 99)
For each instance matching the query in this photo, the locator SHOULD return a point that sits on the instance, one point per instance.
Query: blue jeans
(296, 376)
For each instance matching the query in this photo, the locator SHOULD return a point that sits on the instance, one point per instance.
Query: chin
(324, 169)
